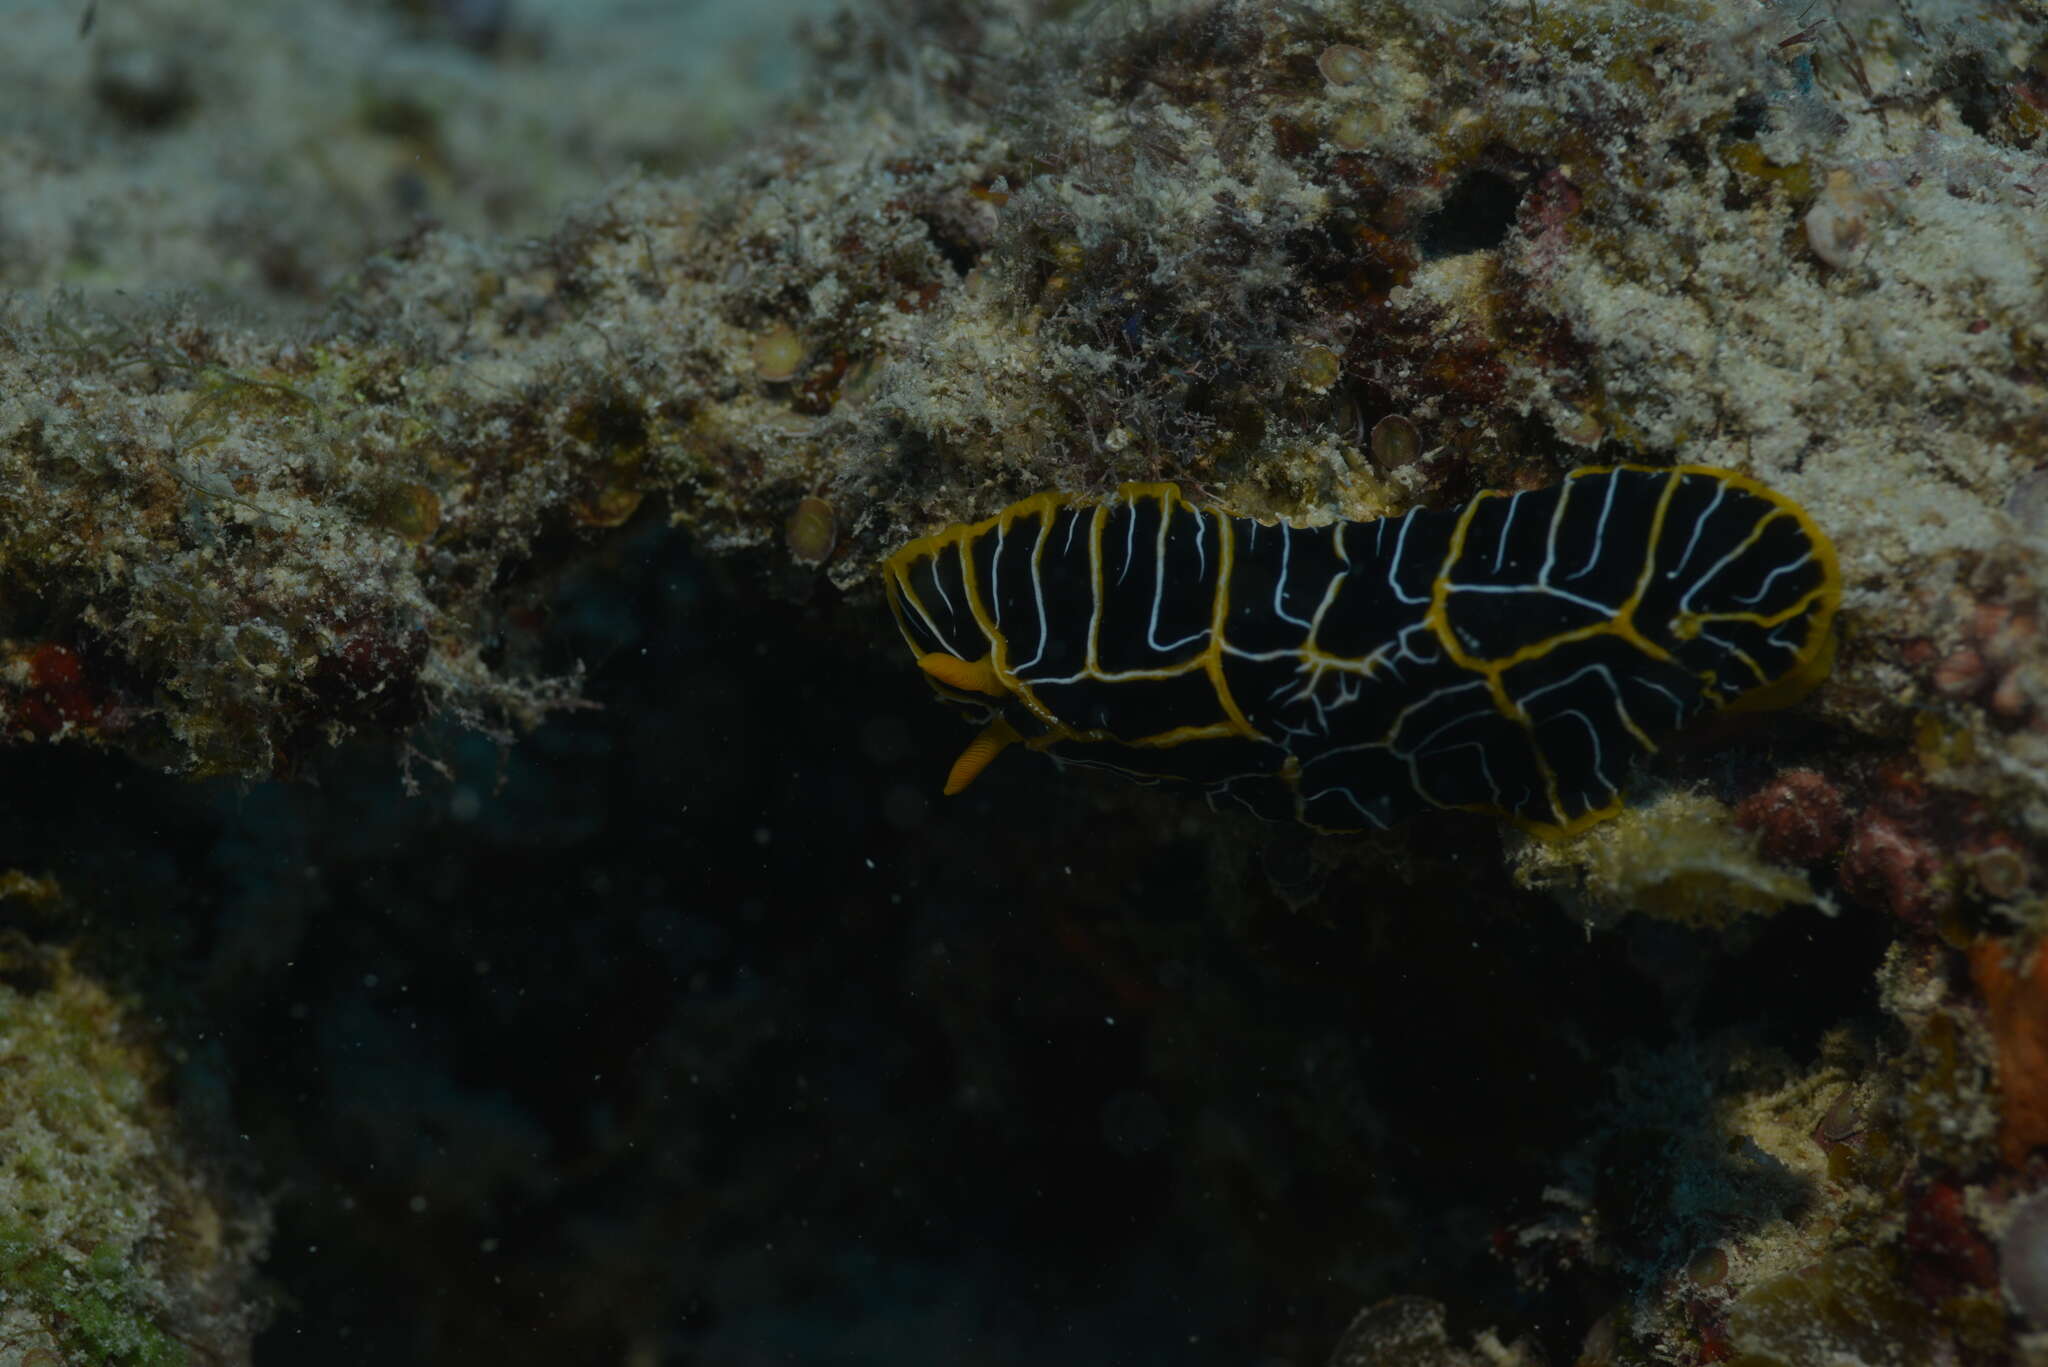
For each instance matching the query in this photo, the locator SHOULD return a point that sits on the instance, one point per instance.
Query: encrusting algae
(1679, 858)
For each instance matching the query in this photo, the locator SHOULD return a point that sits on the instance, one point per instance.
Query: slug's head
(961, 651)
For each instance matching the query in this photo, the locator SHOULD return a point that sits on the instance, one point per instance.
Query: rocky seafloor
(473, 885)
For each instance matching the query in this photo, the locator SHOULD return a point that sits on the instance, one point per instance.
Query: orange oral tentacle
(995, 738)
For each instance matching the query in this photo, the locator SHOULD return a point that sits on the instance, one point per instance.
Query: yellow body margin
(1817, 657)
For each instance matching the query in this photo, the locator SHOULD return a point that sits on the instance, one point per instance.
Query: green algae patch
(97, 1310)
(110, 1242)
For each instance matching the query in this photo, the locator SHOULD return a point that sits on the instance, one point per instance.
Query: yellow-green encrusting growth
(114, 1248)
(1678, 857)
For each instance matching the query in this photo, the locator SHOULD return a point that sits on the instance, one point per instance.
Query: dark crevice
(959, 253)
(1474, 217)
